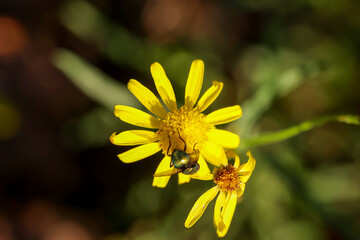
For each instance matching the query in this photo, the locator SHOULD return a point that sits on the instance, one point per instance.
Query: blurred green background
(65, 64)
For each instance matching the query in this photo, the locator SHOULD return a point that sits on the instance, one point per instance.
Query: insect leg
(182, 140)
(167, 153)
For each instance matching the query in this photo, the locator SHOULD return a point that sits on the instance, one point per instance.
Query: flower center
(181, 127)
(227, 178)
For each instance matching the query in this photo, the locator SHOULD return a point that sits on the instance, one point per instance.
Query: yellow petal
(132, 137)
(182, 178)
(210, 95)
(204, 171)
(224, 115)
(219, 205)
(169, 172)
(200, 206)
(224, 138)
(250, 165)
(204, 168)
(244, 178)
(214, 154)
(247, 168)
(139, 152)
(147, 98)
(230, 154)
(135, 117)
(240, 190)
(194, 83)
(163, 86)
(164, 165)
(228, 213)
(237, 161)
(204, 177)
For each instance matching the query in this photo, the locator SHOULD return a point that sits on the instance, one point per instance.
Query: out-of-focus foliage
(291, 65)
(91, 81)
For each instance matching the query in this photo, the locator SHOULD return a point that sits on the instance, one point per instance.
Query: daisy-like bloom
(230, 183)
(186, 128)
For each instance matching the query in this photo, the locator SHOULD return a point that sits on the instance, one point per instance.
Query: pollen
(227, 178)
(184, 129)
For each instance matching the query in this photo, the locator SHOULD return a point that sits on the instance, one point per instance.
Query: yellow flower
(230, 182)
(186, 128)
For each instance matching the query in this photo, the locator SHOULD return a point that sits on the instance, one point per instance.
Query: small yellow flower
(185, 128)
(230, 182)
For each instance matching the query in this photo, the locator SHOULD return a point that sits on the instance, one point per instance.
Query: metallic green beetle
(183, 162)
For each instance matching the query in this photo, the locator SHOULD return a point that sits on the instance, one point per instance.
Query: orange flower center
(227, 178)
(182, 126)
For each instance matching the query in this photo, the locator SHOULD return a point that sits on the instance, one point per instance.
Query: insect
(183, 162)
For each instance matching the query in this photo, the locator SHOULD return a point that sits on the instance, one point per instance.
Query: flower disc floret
(227, 178)
(182, 125)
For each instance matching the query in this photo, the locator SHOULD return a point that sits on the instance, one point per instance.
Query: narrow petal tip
(210, 95)
(194, 83)
(111, 137)
(224, 115)
(163, 86)
(146, 97)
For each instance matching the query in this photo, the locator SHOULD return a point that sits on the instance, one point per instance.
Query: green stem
(269, 138)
